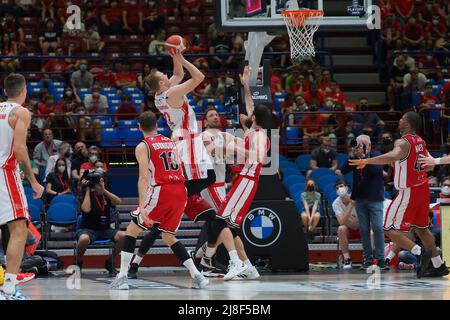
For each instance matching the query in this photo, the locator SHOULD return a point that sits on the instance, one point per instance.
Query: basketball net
(300, 32)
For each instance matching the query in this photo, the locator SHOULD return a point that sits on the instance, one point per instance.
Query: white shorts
(215, 195)
(194, 157)
(13, 202)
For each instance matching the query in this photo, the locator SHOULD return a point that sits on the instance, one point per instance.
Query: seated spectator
(386, 144)
(157, 46)
(445, 149)
(404, 9)
(314, 95)
(435, 32)
(276, 82)
(413, 35)
(426, 98)
(56, 67)
(294, 111)
(237, 9)
(90, 129)
(111, 18)
(341, 125)
(70, 102)
(34, 169)
(214, 90)
(324, 157)
(173, 8)
(125, 78)
(50, 37)
(82, 78)
(8, 48)
(445, 189)
(141, 77)
(14, 29)
(46, 148)
(391, 32)
(64, 152)
(96, 103)
(222, 44)
(344, 210)
(47, 106)
(313, 126)
(335, 93)
(413, 81)
(47, 9)
(92, 40)
(57, 181)
(328, 105)
(293, 82)
(96, 222)
(395, 88)
(27, 8)
(426, 12)
(79, 157)
(325, 80)
(368, 123)
(64, 126)
(428, 62)
(191, 8)
(132, 17)
(94, 155)
(153, 17)
(311, 202)
(105, 78)
(126, 111)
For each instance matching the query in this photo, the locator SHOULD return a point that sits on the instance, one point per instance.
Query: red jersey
(252, 168)
(164, 165)
(407, 172)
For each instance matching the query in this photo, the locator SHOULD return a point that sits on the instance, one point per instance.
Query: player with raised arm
(14, 123)
(409, 210)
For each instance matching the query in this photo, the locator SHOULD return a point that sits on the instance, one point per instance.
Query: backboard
(265, 15)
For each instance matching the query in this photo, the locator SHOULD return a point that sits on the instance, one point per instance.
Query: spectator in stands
(47, 106)
(26, 8)
(105, 78)
(15, 31)
(276, 82)
(157, 47)
(96, 222)
(413, 81)
(426, 12)
(325, 80)
(96, 103)
(324, 157)
(344, 210)
(79, 157)
(426, 98)
(222, 44)
(436, 31)
(46, 148)
(34, 169)
(173, 8)
(413, 35)
(63, 125)
(69, 102)
(126, 111)
(386, 144)
(56, 67)
(404, 9)
(314, 95)
(47, 9)
(191, 8)
(445, 150)
(111, 18)
(133, 17)
(311, 202)
(64, 152)
(213, 90)
(125, 78)
(409, 61)
(153, 17)
(391, 32)
(428, 62)
(445, 188)
(328, 105)
(82, 78)
(341, 123)
(142, 76)
(90, 129)
(94, 156)
(395, 88)
(92, 40)
(58, 181)
(368, 123)
(50, 37)
(8, 48)
(313, 126)
(368, 194)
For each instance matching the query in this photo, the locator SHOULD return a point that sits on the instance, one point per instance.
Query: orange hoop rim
(300, 16)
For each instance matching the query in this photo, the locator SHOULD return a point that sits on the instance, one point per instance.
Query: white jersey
(215, 137)
(185, 133)
(7, 157)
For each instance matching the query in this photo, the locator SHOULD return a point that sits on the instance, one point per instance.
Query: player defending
(409, 210)
(14, 123)
(162, 199)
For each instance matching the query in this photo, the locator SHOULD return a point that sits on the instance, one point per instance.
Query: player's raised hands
(245, 76)
(177, 56)
(358, 163)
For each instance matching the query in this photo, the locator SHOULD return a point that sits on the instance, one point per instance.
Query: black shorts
(95, 235)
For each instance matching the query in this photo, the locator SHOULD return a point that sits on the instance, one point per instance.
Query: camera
(92, 178)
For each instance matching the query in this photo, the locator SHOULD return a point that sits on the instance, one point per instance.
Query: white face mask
(99, 170)
(93, 158)
(445, 190)
(342, 191)
(61, 169)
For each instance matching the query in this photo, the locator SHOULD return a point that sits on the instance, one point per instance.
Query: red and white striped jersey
(252, 168)
(164, 165)
(7, 158)
(408, 172)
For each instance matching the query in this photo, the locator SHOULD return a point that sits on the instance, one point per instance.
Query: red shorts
(238, 201)
(353, 234)
(165, 206)
(195, 207)
(409, 209)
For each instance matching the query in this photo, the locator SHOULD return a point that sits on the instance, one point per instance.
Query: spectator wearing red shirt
(47, 106)
(386, 7)
(94, 156)
(47, 8)
(133, 17)
(325, 80)
(288, 102)
(173, 8)
(126, 111)
(426, 12)
(125, 78)
(435, 30)
(58, 66)
(426, 98)
(314, 95)
(413, 35)
(313, 126)
(191, 8)
(404, 9)
(153, 17)
(105, 78)
(336, 94)
(112, 18)
(428, 62)
(276, 82)
(391, 32)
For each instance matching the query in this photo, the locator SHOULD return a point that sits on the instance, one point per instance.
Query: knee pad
(215, 229)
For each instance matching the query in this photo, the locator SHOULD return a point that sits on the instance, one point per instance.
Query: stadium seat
(161, 122)
(35, 214)
(66, 198)
(296, 189)
(61, 214)
(287, 164)
(325, 180)
(290, 172)
(111, 137)
(292, 135)
(319, 172)
(415, 99)
(293, 179)
(205, 102)
(132, 136)
(106, 91)
(303, 162)
(280, 95)
(348, 178)
(112, 109)
(299, 205)
(277, 104)
(342, 159)
(387, 195)
(131, 91)
(164, 131)
(124, 124)
(28, 191)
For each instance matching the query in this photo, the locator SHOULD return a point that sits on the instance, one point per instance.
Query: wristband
(437, 161)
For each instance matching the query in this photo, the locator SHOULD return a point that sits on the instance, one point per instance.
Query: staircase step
(356, 51)
(351, 59)
(375, 97)
(350, 42)
(355, 69)
(357, 78)
(349, 87)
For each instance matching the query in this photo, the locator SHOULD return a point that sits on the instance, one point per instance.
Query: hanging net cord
(300, 33)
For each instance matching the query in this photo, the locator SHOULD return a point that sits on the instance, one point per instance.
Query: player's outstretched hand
(38, 189)
(358, 163)
(177, 56)
(426, 161)
(245, 76)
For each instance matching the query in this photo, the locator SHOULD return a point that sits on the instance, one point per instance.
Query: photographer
(96, 222)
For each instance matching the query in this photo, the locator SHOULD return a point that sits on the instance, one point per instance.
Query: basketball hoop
(301, 33)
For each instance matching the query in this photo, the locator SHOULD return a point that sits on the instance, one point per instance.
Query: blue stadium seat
(193, 103)
(106, 91)
(67, 199)
(348, 178)
(303, 162)
(112, 96)
(287, 164)
(292, 135)
(115, 102)
(205, 102)
(281, 157)
(277, 104)
(38, 203)
(437, 91)
(221, 109)
(290, 172)
(415, 99)
(62, 214)
(132, 136)
(280, 95)
(299, 205)
(112, 109)
(130, 91)
(124, 124)
(292, 179)
(58, 84)
(342, 159)
(387, 195)
(111, 137)
(35, 214)
(325, 180)
(28, 191)
(164, 131)
(161, 123)
(106, 123)
(319, 172)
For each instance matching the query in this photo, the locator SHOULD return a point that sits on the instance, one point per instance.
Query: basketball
(175, 42)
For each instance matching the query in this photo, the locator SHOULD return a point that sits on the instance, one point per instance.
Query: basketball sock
(416, 250)
(201, 251)
(129, 243)
(248, 263)
(9, 286)
(209, 252)
(137, 259)
(346, 256)
(437, 261)
(390, 255)
(234, 256)
(148, 241)
(180, 251)
(189, 264)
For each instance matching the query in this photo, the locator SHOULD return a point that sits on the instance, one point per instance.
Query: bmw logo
(262, 227)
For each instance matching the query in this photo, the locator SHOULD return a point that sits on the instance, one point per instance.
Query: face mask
(95, 94)
(364, 107)
(67, 154)
(342, 191)
(445, 190)
(310, 188)
(93, 159)
(387, 141)
(34, 102)
(326, 150)
(435, 22)
(68, 93)
(329, 104)
(99, 171)
(83, 67)
(61, 169)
